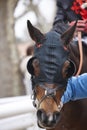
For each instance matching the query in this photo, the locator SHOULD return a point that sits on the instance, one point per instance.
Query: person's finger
(81, 24)
(80, 28)
(81, 21)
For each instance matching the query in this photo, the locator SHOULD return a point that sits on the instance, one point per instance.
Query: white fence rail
(17, 113)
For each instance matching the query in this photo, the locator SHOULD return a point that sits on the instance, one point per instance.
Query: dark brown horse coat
(73, 114)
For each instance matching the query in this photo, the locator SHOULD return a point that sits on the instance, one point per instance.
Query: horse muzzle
(47, 120)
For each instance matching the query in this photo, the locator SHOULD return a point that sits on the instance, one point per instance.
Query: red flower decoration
(76, 7)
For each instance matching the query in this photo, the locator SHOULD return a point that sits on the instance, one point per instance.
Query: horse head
(50, 69)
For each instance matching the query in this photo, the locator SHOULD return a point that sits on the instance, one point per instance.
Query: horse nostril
(56, 116)
(41, 115)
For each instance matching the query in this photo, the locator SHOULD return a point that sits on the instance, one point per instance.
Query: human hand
(81, 25)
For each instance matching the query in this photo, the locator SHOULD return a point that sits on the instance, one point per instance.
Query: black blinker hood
(51, 56)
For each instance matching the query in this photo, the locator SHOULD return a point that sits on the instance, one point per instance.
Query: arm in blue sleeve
(76, 89)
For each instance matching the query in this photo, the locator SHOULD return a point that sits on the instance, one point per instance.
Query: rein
(81, 53)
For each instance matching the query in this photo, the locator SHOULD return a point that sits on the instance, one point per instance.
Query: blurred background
(15, 43)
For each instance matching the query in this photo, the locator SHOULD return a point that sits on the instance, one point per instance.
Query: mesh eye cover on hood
(51, 56)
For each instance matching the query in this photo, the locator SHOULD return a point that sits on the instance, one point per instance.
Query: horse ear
(68, 35)
(35, 33)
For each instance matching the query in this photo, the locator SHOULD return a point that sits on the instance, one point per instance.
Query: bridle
(48, 93)
(51, 92)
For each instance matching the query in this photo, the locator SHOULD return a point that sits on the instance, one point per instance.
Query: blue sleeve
(76, 89)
